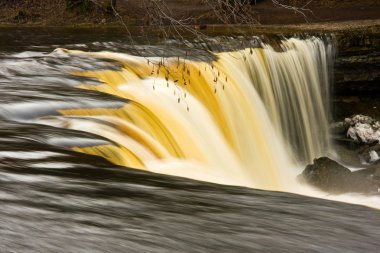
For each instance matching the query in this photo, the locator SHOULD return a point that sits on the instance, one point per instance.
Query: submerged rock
(330, 176)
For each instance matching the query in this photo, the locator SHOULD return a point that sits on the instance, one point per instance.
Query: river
(61, 105)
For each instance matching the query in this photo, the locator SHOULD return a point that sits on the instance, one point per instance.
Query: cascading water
(295, 89)
(218, 117)
(238, 119)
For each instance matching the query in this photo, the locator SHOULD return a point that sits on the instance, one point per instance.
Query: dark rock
(357, 74)
(365, 152)
(330, 176)
(326, 174)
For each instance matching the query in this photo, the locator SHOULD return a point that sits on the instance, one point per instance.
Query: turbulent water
(230, 120)
(248, 117)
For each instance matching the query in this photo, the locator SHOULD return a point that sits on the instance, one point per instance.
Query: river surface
(53, 199)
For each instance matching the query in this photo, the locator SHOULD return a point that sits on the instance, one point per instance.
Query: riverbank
(355, 26)
(44, 13)
(372, 25)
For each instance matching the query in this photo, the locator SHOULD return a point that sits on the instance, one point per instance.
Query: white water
(244, 119)
(250, 118)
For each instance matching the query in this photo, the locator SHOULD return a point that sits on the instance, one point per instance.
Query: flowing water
(77, 110)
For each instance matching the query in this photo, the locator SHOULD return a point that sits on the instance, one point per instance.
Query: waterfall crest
(245, 118)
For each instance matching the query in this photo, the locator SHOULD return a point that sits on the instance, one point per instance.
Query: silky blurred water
(55, 200)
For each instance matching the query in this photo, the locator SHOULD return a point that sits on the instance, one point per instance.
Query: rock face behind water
(330, 176)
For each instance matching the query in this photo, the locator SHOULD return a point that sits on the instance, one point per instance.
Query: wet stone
(330, 176)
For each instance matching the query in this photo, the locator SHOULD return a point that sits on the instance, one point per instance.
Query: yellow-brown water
(245, 118)
(54, 199)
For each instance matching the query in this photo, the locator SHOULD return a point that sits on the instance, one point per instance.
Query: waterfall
(245, 118)
(295, 89)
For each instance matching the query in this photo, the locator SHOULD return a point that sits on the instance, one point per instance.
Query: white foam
(31, 155)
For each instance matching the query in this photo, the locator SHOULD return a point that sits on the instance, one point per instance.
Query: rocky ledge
(356, 140)
(332, 177)
(356, 87)
(356, 143)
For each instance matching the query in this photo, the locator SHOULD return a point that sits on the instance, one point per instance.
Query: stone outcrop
(356, 85)
(330, 176)
(357, 140)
